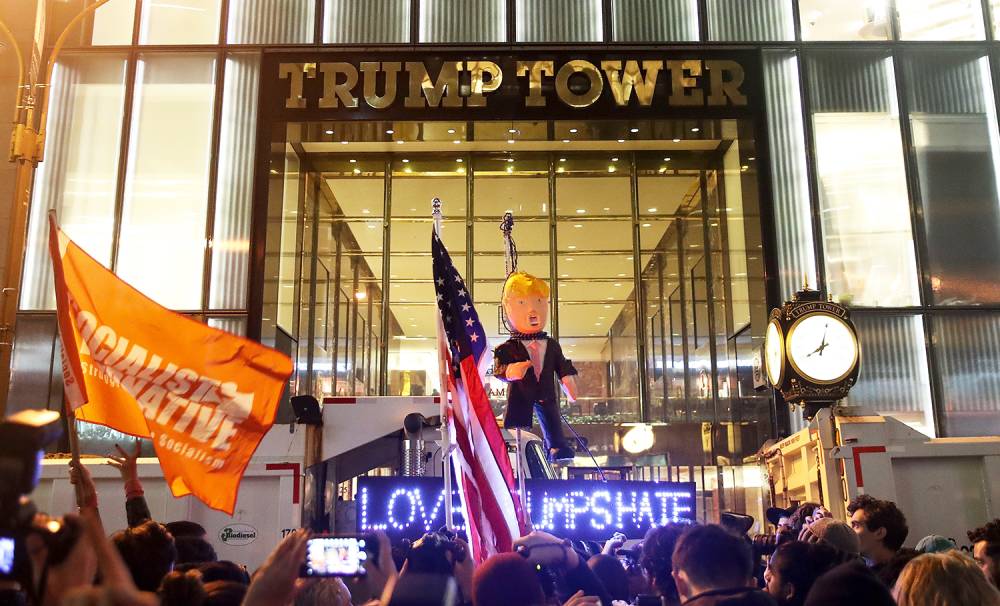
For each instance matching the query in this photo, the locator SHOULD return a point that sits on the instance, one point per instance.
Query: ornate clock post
(811, 351)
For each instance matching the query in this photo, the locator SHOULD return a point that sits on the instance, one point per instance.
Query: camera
(23, 438)
(765, 544)
(435, 553)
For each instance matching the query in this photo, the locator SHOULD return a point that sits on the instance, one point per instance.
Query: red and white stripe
(493, 511)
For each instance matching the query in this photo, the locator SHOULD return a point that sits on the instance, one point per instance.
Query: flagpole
(443, 392)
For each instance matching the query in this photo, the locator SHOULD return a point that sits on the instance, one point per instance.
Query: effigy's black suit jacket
(524, 394)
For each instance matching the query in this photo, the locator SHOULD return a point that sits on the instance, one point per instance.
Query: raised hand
(125, 463)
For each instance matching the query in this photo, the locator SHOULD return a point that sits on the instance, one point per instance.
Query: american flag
(492, 509)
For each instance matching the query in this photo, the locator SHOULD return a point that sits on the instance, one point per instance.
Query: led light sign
(574, 509)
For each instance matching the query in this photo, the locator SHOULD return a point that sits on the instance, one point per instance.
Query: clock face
(822, 348)
(774, 349)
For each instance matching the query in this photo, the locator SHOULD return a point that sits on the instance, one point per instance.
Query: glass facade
(880, 167)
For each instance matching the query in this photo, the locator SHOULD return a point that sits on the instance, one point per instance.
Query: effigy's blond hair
(523, 284)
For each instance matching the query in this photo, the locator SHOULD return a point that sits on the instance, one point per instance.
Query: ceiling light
(614, 159)
(510, 159)
(751, 159)
(459, 160)
(563, 275)
(571, 247)
(618, 283)
(607, 208)
(565, 140)
(562, 159)
(677, 140)
(651, 210)
(512, 130)
(343, 142)
(607, 307)
(621, 275)
(405, 160)
(581, 211)
(572, 130)
(597, 323)
(329, 132)
(667, 159)
(451, 131)
(389, 131)
(569, 259)
(577, 225)
(353, 161)
(621, 140)
(695, 129)
(633, 130)
(647, 224)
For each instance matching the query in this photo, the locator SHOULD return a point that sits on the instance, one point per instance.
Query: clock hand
(823, 345)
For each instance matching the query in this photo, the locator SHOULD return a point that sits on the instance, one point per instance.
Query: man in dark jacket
(714, 568)
(529, 362)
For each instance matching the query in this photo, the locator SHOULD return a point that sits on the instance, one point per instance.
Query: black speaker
(306, 409)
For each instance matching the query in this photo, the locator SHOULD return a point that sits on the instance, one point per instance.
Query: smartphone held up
(338, 556)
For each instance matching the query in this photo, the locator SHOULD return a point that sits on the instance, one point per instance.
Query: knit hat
(836, 534)
(849, 583)
(935, 543)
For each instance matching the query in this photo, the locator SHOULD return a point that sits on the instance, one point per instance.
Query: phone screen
(6, 555)
(335, 557)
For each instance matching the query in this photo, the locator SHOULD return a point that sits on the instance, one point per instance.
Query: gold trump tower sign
(399, 85)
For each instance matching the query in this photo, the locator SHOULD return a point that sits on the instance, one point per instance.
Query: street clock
(811, 351)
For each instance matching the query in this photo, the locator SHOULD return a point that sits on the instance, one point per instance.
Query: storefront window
(271, 22)
(789, 176)
(111, 24)
(463, 21)
(894, 379)
(844, 19)
(180, 22)
(78, 178)
(954, 124)
(655, 20)
(162, 246)
(366, 21)
(733, 20)
(234, 190)
(597, 290)
(968, 354)
(940, 20)
(548, 21)
(864, 206)
(416, 181)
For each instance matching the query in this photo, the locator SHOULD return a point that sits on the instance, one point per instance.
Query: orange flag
(203, 396)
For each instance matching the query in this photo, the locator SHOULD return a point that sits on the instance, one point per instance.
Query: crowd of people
(811, 559)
